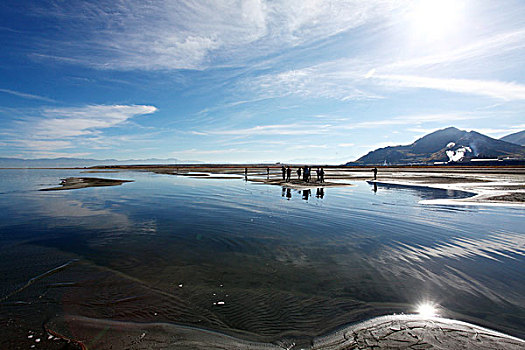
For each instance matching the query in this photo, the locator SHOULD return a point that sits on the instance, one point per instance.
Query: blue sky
(254, 80)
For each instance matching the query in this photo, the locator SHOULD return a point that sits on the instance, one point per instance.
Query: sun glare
(426, 310)
(435, 19)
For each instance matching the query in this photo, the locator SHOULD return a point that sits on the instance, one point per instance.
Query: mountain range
(517, 138)
(80, 162)
(449, 145)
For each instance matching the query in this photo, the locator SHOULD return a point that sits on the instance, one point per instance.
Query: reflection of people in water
(288, 193)
(284, 192)
(288, 173)
(283, 170)
(375, 187)
(306, 194)
(375, 173)
(299, 174)
(320, 193)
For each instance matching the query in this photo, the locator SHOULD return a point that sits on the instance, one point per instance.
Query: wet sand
(386, 332)
(489, 185)
(72, 183)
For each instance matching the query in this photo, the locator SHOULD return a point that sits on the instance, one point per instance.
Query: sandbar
(72, 183)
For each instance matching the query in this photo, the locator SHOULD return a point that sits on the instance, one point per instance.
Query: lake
(252, 260)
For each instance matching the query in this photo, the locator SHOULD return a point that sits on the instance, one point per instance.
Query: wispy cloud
(340, 80)
(197, 34)
(276, 129)
(56, 129)
(495, 45)
(26, 95)
(75, 121)
(496, 89)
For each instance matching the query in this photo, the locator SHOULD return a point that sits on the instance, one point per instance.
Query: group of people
(306, 173)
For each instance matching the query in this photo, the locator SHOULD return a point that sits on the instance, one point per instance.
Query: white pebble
(37, 340)
(30, 336)
(50, 337)
(180, 285)
(220, 303)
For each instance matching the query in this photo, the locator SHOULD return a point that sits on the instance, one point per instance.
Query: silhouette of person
(309, 174)
(267, 173)
(288, 173)
(321, 173)
(245, 171)
(318, 173)
(283, 170)
(288, 193)
(299, 174)
(375, 173)
(375, 187)
(305, 173)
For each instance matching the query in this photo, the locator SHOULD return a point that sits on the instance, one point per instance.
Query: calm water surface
(252, 260)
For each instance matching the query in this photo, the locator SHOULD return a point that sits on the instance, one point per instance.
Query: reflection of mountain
(518, 138)
(446, 145)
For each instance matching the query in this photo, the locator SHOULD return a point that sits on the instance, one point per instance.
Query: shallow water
(252, 260)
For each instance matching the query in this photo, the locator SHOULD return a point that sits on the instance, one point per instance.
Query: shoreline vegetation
(489, 185)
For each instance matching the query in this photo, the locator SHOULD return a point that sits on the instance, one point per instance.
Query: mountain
(518, 138)
(445, 145)
(80, 162)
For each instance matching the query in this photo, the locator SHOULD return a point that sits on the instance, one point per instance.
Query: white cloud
(56, 129)
(196, 34)
(75, 121)
(495, 89)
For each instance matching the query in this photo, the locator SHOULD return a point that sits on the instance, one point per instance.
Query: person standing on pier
(283, 170)
(321, 173)
(375, 173)
(299, 173)
(288, 173)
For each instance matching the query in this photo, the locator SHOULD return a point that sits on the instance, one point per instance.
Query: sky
(231, 81)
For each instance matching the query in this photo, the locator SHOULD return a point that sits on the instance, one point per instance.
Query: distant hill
(80, 162)
(518, 138)
(445, 145)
